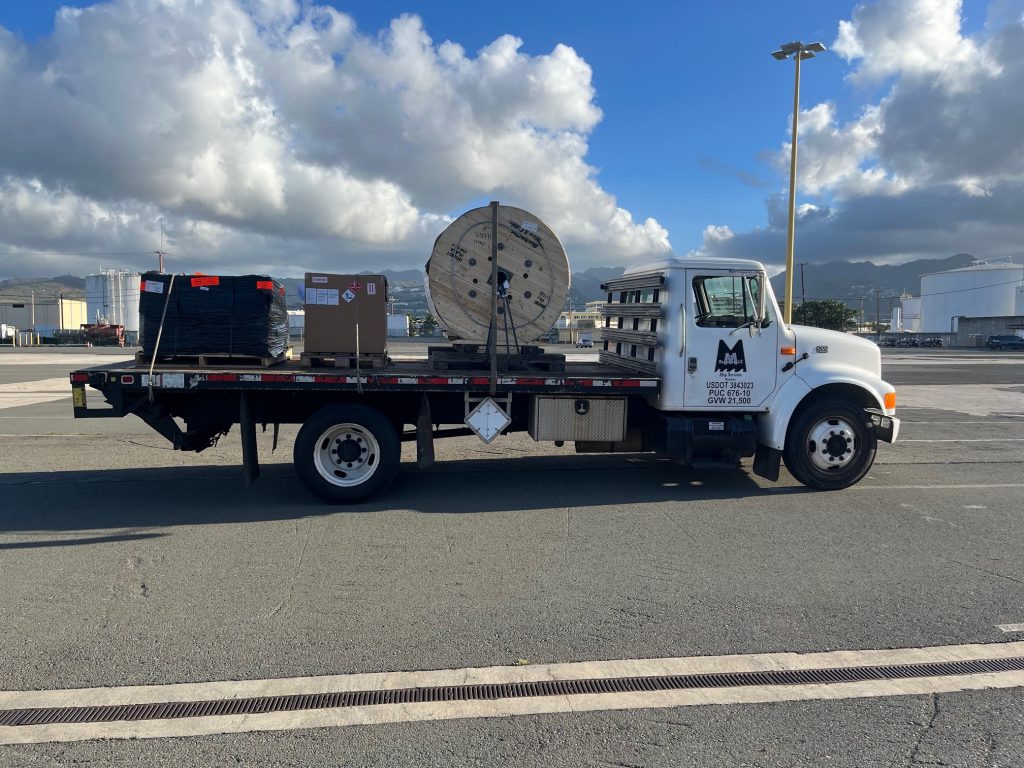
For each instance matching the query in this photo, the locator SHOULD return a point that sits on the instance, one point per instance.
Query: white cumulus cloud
(934, 167)
(278, 125)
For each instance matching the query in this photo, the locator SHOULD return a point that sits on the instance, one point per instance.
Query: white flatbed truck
(695, 364)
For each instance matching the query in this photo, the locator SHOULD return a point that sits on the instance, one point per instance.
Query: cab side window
(725, 301)
(719, 301)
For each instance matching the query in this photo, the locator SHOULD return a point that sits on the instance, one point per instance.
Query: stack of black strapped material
(211, 316)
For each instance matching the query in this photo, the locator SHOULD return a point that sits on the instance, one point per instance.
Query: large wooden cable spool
(530, 259)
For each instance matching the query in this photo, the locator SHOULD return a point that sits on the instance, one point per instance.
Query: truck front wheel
(346, 453)
(830, 445)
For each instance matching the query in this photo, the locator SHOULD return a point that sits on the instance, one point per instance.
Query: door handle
(682, 329)
(691, 365)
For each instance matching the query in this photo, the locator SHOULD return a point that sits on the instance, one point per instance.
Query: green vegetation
(826, 313)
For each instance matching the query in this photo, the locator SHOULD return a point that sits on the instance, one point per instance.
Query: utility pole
(878, 314)
(33, 310)
(803, 299)
(160, 253)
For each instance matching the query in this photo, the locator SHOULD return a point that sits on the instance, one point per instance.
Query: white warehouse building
(984, 289)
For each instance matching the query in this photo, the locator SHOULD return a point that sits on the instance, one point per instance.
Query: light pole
(798, 51)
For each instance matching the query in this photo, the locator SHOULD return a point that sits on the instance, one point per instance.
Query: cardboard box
(340, 306)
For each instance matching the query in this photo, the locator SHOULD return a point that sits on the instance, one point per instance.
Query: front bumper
(886, 427)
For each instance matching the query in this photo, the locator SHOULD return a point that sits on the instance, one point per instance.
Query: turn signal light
(889, 400)
(788, 351)
(79, 377)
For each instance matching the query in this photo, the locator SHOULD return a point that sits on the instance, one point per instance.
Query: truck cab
(713, 332)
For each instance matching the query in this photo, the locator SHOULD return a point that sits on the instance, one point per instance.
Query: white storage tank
(1018, 303)
(912, 314)
(896, 319)
(112, 296)
(984, 289)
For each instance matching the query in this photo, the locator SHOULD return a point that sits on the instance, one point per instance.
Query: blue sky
(684, 87)
(693, 104)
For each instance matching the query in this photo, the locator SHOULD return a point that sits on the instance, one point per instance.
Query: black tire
(830, 445)
(347, 453)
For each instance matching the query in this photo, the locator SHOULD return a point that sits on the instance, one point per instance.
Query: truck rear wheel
(831, 445)
(346, 453)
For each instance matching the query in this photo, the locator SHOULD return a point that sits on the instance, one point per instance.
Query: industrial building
(992, 290)
(43, 315)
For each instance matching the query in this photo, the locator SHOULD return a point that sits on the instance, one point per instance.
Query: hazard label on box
(354, 285)
(348, 295)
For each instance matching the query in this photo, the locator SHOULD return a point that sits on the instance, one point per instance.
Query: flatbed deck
(400, 375)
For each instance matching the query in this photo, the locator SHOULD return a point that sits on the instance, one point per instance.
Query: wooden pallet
(470, 357)
(374, 361)
(214, 360)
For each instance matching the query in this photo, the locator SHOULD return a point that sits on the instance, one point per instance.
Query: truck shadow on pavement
(141, 500)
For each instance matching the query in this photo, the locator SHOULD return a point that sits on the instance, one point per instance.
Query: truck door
(730, 352)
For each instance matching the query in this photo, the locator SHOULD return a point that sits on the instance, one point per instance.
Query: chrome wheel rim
(346, 455)
(832, 444)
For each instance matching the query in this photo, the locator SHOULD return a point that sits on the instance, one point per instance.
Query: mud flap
(424, 436)
(250, 454)
(766, 462)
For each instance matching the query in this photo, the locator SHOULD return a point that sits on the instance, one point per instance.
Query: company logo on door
(730, 359)
(731, 387)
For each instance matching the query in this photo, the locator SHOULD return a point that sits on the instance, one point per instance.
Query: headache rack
(631, 318)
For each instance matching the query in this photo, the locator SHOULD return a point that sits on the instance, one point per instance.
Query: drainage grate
(297, 702)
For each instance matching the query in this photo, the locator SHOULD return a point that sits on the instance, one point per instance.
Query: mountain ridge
(849, 281)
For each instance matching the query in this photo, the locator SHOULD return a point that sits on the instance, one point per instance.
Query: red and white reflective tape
(177, 380)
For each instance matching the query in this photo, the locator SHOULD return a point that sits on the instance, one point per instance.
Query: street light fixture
(799, 52)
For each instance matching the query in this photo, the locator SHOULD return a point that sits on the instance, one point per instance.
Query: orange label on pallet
(264, 285)
(199, 282)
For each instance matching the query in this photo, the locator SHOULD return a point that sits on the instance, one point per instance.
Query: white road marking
(961, 361)
(908, 422)
(1010, 627)
(70, 360)
(34, 392)
(963, 486)
(965, 440)
(390, 713)
(973, 399)
(58, 434)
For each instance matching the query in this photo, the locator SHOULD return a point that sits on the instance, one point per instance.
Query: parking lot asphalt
(126, 563)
